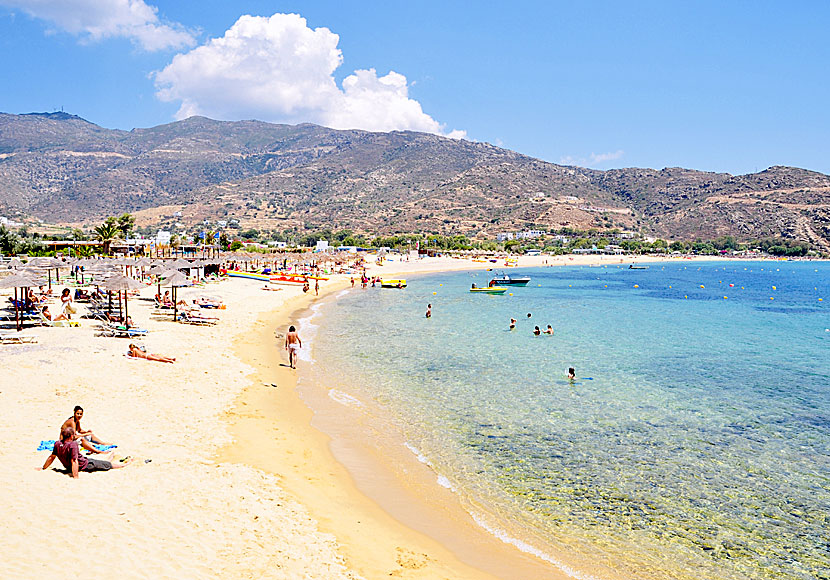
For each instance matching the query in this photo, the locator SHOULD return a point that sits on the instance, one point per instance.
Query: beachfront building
(504, 236)
(322, 246)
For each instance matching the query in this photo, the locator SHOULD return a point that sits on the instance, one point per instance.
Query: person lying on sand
(67, 452)
(85, 437)
(136, 352)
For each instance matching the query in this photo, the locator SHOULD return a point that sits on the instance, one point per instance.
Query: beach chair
(120, 331)
(187, 318)
(13, 337)
(56, 323)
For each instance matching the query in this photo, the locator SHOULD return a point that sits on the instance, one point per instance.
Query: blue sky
(717, 86)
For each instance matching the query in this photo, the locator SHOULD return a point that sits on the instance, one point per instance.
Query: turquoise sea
(694, 443)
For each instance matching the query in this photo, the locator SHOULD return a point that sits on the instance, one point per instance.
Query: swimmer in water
(571, 374)
(512, 324)
(429, 311)
(536, 331)
(548, 330)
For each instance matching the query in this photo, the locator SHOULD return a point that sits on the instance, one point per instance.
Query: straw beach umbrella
(17, 281)
(120, 284)
(175, 280)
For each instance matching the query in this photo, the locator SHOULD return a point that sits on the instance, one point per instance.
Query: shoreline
(408, 519)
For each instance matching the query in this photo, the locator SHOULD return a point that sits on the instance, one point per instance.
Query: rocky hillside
(61, 168)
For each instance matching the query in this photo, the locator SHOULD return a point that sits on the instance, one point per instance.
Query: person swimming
(571, 374)
(536, 331)
(512, 324)
(548, 330)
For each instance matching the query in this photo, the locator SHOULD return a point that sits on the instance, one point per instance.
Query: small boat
(508, 280)
(489, 290)
(249, 275)
(393, 283)
(633, 267)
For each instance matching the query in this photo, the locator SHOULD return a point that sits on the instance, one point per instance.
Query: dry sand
(239, 484)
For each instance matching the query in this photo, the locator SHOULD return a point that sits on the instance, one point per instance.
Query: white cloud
(597, 159)
(592, 160)
(99, 19)
(278, 69)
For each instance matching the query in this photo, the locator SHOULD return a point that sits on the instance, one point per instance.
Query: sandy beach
(229, 477)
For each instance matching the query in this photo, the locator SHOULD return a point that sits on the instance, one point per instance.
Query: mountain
(61, 168)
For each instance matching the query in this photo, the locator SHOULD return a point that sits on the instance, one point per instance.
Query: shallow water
(694, 443)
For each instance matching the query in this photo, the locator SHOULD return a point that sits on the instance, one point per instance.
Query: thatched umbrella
(120, 284)
(17, 281)
(15, 263)
(175, 280)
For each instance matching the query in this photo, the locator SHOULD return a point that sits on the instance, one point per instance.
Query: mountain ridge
(62, 168)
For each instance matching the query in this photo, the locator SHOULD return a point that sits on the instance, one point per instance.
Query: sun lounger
(56, 323)
(186, 318)
(118, 331)
(12, 337)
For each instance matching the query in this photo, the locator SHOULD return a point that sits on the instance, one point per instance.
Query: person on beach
(316, 287)
(512, 324)
(536, 331)
(292, 345)
(306, 287)
(67, 452)
(48, 315)
(429, 311)
(135, 352)
(352, 281)
(66, 304)
(86, 438)
(548, 330)
(571, 374)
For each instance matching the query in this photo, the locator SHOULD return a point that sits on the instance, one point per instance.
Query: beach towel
(48, 445)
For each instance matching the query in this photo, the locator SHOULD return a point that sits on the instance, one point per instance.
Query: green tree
(9, 242)
(235, 245)
(107, 233)
(125, 223)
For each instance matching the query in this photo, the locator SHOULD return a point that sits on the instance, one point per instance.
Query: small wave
(341, 294)
(528, 549)
(443, 481)
(344, 398)
(421, 457)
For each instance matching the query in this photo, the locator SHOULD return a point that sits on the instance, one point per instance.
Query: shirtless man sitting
(85, 438)
(66, 450)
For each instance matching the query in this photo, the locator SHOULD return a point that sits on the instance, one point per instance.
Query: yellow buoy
(774, 288)
(511, 294)
(725, 297)
(685, 297)
(821, 299)
(434, 293)
(702, 286)
(771, 298)
(635, 285)
(440, 284)
(669, 287)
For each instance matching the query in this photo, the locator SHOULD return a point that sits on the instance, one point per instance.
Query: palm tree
(107, 233)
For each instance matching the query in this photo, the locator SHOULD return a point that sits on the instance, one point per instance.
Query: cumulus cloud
(278, 69)
(591, 160)
(99, 19)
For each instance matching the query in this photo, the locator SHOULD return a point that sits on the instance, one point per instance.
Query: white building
(529, 234)
(322, 246)
(163, 238)
(504, 236)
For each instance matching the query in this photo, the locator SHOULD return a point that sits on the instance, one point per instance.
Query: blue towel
(49, 445)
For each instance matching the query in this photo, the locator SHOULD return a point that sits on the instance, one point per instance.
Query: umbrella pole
(174, 304)
(126, 314)
(16, 312)
(50, 279)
